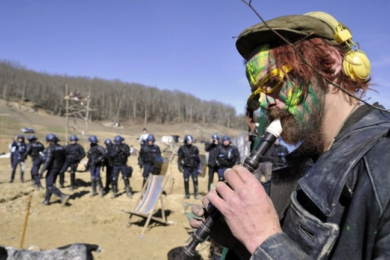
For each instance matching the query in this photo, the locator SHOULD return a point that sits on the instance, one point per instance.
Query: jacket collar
(325, 180)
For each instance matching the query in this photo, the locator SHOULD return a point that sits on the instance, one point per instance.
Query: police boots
(62, 179)
(196, 195)
(114, 190)
(128, 188)
(186, 189)
(93, 184)
(64, 199)
(100, 185)
(72, 181)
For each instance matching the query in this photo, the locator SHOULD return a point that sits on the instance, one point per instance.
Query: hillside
(14, 116)
(94, 220)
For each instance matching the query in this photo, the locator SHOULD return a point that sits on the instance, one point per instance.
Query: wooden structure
(77, 109)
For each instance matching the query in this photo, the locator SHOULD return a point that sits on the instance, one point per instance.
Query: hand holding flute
(244, 204)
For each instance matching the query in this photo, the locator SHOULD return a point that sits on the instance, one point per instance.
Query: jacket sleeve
(381, 248)
(126, 150)
(179, 157)
(49, 159)
(28, 149)
(208, 146)
(279, 246)
(81, 153)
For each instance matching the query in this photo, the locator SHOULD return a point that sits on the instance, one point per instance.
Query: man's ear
(338, 62)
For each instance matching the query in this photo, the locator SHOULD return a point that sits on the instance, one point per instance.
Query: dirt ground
(93, 220)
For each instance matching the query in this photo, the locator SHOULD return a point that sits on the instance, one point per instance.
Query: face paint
(292, 97)
(257, 66)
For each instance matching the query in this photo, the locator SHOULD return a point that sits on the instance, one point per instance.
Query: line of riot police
(56, 159)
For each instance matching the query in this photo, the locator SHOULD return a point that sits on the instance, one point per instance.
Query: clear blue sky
(171, 44)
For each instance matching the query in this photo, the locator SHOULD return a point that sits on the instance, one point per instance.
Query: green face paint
(292, 97)
(257, 66)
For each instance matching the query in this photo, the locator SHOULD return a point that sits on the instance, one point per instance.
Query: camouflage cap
(290, 26)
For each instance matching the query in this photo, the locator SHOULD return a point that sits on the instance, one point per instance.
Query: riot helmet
(93, 139)
(118, 139)
(225, 138)
(215, 137)
(31, 138)
(51, 138)
(188, 138)
(150, 138)
(107, 142)
(73, 138)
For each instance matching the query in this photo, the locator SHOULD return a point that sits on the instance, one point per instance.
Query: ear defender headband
(355, 64)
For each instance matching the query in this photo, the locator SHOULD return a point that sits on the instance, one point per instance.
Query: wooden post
(67, 111)
(25, 221)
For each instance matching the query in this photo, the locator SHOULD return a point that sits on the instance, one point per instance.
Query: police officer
(147, 156)
(74, 153)
(278, 154)
(55, 159)
(108, 163)
(18, 148)
(119, 155)
(227, 156)
(211, 147)
(188, 162)
(95, 162)
(34, 149)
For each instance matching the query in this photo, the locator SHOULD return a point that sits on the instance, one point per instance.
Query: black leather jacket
(341, 209)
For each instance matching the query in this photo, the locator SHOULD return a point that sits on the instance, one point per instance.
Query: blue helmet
(107, 141)
(73, 138)
(215, 137)
(188, 138)
(118, 139)
(31, 138)
(20, 136)
(93, 139)
(224, 138)
(51, 138)
(151, 138)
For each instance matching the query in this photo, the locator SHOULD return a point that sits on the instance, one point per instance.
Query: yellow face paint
(257, 66)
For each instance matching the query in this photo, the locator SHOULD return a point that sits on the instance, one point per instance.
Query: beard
(306, 133)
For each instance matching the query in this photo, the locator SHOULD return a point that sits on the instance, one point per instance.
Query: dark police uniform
(108, 163)
(74, 154)
(188, 162)
(95, 163)
(119, 155)
(227, 157)
(17, 151)
(211, 147)
(34, 150)
(55, 159)
(146, 159)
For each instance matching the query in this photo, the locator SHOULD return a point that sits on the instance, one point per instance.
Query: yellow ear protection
(356, 64)
(253, 102)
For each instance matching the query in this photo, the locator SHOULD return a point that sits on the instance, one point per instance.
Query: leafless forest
(113, 100)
